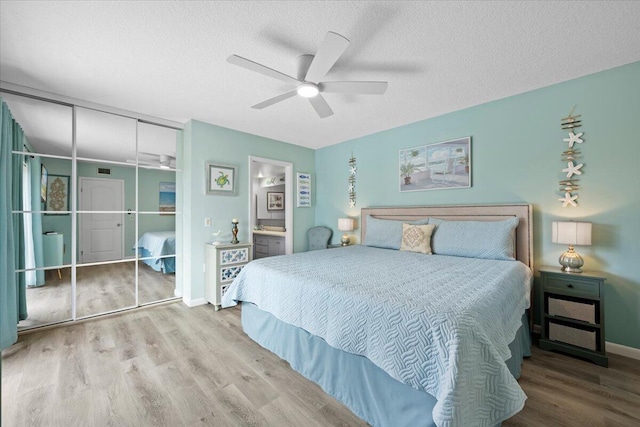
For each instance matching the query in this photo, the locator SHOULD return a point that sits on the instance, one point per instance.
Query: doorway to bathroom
(270, 206)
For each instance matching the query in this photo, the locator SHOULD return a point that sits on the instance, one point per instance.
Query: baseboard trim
(611, 347)
(195, 302)
(623, 350)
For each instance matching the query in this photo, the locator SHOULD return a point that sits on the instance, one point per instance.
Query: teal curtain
(36, 218)
(13, 304)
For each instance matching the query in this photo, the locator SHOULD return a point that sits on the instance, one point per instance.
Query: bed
(401, 338)
(155, 247)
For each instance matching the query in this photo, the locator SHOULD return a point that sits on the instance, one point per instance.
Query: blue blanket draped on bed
(154, 244)
(440, 324)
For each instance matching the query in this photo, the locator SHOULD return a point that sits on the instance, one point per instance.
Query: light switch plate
(207, 222)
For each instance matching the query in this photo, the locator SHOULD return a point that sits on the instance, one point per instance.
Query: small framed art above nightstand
(573, 313)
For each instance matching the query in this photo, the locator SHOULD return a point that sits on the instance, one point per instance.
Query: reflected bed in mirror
(157, 249)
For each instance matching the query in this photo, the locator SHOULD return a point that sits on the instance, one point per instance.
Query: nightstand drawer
(589, 289)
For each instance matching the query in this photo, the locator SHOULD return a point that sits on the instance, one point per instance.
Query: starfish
(352, 170)
(572, 169)
(574, 138)
(352, 203)
(568, 199)
(351, 187)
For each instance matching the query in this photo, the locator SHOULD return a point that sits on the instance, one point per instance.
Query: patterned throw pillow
(416, 238)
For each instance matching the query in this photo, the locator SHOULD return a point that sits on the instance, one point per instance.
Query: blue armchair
(319, 237)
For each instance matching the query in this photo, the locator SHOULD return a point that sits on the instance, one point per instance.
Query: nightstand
(573, 313)
(222, 264)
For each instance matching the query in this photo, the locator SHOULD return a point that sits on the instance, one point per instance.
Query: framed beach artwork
(439, 166)
(57, 195)
(275, 201)
(221, 179)
(167, 197)
(304, 190)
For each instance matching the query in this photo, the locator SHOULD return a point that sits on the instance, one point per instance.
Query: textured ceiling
(168, 59)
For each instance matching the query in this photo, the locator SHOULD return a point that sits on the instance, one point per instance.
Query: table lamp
(345, 224)
(571, 233)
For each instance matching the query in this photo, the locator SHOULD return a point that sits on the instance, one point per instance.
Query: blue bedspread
(440, 324)
(155, 244)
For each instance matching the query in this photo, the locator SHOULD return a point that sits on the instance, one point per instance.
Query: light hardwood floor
(171, 366)
(100, 288)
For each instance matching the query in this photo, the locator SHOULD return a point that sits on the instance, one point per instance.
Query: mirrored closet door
(106, 206)
(41, 212)
(98, 212)
(156, 244)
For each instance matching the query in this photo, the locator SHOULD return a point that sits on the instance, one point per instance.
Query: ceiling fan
(310, 70)
(164, 161)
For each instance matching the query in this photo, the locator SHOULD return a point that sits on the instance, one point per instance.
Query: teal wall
(516, 146)
(205, 142)
(149, 182)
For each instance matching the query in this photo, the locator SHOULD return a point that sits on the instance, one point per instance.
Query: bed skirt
(352, 379)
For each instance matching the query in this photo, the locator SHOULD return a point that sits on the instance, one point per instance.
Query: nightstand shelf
(573, 313)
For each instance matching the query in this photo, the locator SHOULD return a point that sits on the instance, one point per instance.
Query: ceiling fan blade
(274, 100)
(259, 68)
(320, 105)
(367, 88)
(332, 47)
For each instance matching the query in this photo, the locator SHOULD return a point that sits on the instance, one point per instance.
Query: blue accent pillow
(387, 233)
(475, 239)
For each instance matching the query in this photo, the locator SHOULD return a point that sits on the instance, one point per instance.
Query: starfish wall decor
(352, 181)
(569, 186)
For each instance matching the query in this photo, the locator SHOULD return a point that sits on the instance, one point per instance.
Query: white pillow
(416, 238)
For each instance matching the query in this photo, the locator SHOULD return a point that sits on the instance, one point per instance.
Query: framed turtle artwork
(221, 179)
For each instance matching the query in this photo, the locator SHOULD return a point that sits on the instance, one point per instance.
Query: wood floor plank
(42, 363)
(72, 380)
(121, 409)
(280, 412)
(238, 408)
(178, 366)
(9, 411)
(154, 345)
(148, 392)
(34, 408)
(193, 404)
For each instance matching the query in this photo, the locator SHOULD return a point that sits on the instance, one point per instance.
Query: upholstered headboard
(524, 234)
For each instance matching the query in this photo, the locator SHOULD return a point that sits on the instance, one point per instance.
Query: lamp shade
(345, 224)
(571, 233)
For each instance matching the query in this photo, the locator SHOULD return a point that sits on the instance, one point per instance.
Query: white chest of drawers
(222, 264)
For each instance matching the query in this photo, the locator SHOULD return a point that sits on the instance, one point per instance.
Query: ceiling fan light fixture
(308, 90)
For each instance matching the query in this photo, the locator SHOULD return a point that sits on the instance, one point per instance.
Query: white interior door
(101, 232)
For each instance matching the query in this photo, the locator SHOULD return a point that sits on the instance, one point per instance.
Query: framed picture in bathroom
(275, 201)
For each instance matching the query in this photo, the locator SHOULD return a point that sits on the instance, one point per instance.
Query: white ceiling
(168, 59)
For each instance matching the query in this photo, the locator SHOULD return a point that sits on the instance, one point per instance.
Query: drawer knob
(570, 286)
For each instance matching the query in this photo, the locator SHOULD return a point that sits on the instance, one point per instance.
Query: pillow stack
(471, 239)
